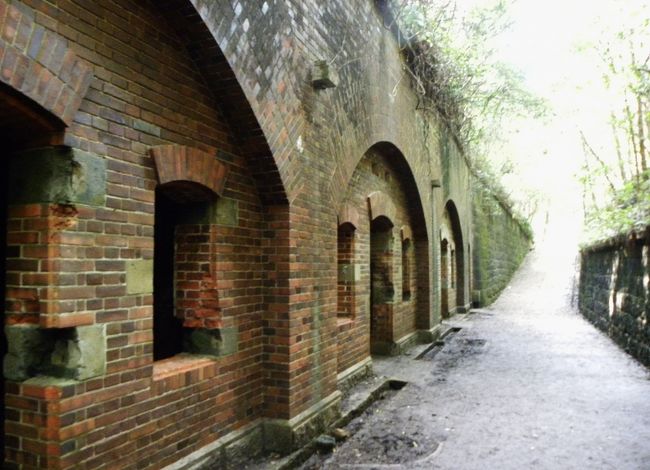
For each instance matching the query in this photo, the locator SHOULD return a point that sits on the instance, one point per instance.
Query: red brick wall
(375, 173)
(146, 92)
(196, 277)
(27, 246)
(345, 281)
(160, 77)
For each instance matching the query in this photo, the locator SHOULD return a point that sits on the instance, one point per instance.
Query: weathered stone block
(139, 276)
(226, 212)
(74, 353)
(28, 347)
(79, 353)
(218, 342)
(285, 435)
(58, 175)
(347, 272)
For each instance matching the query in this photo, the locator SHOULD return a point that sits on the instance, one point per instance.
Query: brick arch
(349, 214)
(379, 204)
(457, 235)
(215, 52)
(179, 164)
(40, 65)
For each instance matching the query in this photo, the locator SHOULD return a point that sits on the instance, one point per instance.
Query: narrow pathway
(526, 383)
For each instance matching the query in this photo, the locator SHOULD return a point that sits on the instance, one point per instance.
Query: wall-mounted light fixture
(323, 76)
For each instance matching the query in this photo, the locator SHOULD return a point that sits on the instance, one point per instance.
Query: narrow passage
(525, 383)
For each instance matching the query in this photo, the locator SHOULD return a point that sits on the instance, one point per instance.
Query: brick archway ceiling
(398, 163)
(456, 228)
(202, 48)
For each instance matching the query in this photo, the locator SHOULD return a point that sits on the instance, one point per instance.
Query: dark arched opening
(456, 260)
(382, 290)
(167, 338)
(406, 269)
(444, 278)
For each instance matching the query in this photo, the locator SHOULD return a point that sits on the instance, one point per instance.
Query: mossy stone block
(347, 272)
(57, 175)
(217, 342)
(139, 276)
(28, 348)
(79, 353)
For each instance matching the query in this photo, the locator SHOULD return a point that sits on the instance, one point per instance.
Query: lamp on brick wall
(323, 76)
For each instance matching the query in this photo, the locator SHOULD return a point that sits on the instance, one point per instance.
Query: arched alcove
(452, 262)
(392, 253)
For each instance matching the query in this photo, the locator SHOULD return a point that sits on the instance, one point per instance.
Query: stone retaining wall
(499, 246)
(614, 291)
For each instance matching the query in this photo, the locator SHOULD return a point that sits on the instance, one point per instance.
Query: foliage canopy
(458, 74)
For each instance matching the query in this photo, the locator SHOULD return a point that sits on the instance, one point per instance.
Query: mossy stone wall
(500, 243)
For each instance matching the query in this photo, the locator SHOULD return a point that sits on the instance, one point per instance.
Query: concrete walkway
(526, 383)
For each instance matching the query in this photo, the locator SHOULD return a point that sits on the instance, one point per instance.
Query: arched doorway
(391, 262)
(444, 278)
(452, 263)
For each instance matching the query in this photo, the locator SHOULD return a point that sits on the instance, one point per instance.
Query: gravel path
(526, 383)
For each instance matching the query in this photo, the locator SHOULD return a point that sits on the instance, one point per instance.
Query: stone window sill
(344, 323)
(182, 370)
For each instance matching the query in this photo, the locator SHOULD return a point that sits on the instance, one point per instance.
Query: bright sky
(544, 43)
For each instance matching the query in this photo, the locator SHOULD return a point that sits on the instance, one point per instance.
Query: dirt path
(524, 384)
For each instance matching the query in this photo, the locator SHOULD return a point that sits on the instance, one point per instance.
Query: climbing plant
(458, 75)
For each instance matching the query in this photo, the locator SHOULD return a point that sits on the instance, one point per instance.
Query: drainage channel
(326, 442)
(430, 352)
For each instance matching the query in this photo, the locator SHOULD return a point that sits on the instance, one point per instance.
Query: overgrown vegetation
(457, 74)
(616, 178)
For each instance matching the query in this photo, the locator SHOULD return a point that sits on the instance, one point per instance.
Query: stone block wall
(499, 245)
(614, 291)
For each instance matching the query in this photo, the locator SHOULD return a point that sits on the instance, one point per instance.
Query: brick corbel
(182, 164)
(40, 65)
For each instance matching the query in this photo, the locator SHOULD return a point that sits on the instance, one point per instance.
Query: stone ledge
(243, 442)
(430, 335)
(353, 374)
(180, 364)
(282, 435)
(398, 347)
(263, 435)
